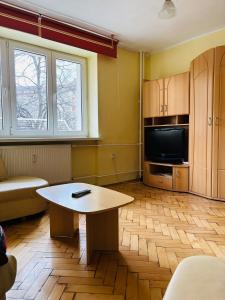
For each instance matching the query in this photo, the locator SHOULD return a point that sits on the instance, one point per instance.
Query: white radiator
(50, 162)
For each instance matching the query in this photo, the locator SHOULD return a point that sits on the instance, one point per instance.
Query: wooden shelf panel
(184, 165)
(167, 125)
(179, 120)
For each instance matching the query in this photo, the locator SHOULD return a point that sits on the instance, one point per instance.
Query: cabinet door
(218, 179)
(153, 98)
(180, 179)
(200, 129)
(177, 94)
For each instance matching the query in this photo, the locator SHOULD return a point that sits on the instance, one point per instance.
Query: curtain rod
(62, 22)
(40, 26)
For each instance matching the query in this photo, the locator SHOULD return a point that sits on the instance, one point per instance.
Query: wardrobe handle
(210, 121)
(217, 121)
(162, 110)
(166, 107)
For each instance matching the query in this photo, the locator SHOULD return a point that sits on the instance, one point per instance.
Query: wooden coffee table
(101, 210)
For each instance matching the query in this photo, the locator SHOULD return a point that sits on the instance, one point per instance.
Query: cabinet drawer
(163, 182)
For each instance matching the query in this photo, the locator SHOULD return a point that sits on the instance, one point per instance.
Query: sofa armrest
(7, 275)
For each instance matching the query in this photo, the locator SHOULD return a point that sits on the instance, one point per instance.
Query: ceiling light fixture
(168, 10)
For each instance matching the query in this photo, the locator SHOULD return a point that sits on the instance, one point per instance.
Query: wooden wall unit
(166, 103)
(206, 126)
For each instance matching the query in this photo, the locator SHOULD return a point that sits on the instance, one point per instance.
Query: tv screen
(165, 144)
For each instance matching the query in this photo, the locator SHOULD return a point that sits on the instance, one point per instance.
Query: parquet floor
(156, 232)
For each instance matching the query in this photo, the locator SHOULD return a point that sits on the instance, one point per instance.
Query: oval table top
(100, 199)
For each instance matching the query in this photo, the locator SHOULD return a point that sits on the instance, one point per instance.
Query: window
(31, 91)
(68, 95)
(47, 93)
(1, 119)
(1, 94)
(1, 112)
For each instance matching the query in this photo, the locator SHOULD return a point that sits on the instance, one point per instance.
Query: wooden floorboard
(157, 231)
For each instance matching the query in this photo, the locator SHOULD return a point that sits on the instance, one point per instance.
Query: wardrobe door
(177, 94)
(153, 98)
(219, 125)
(200, 134)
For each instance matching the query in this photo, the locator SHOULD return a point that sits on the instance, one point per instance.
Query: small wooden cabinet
(166, 97)
(153, 90)
(167, 176)
(180, 178)
(176, 95)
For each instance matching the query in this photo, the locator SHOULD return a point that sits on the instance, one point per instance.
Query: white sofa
(198, 278)
(18, 197)
(7, 276)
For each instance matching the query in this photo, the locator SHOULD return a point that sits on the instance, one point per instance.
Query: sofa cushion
(3, 256)
(21, 183)
(198, 277)
(20, 188)
(3, 173)
(18, 197)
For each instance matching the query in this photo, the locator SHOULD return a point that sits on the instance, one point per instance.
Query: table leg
(63, 222)
(102, 232)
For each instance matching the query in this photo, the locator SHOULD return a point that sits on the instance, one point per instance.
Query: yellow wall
(177, 59)
(118, 90)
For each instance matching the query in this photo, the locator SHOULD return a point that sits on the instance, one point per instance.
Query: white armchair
(198, 278)
(7, 276)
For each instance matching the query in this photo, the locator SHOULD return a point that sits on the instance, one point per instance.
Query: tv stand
(172, 177)
(168, 176)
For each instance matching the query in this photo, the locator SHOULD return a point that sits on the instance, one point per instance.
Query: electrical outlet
(34, 158)
(113, 155)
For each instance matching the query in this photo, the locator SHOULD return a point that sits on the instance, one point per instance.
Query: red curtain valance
(48, 28)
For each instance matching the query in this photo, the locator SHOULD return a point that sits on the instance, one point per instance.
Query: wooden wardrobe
(207, 124)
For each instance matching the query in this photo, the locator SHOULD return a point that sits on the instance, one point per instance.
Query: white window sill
(47, 139)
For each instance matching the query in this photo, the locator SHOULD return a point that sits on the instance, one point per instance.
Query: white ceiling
(135, 22)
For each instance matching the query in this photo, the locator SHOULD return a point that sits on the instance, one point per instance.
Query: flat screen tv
(168, 145)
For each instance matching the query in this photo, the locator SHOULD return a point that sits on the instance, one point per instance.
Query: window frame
(39, 51)
(4, 89)
(82, 62)
(7, 61)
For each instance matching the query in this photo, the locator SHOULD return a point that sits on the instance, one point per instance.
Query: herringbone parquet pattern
(156, 232)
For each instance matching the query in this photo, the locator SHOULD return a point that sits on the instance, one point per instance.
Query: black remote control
(81, 193)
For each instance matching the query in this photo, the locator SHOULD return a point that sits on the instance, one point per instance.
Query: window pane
(68, 95)
(31, 91)
(1, 112)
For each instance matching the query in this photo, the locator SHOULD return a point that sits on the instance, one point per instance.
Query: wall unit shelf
(179, 120)
(166, 125)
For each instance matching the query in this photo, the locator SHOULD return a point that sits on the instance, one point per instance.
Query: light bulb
(168, 10)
